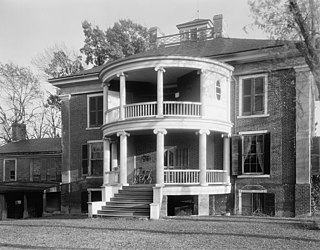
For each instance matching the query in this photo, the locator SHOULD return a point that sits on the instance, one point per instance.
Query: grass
(61, 232)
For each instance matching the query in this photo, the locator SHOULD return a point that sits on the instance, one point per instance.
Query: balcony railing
(188, 176)
(149, 109)
(143, 109)
(182, 109)
(216, 176)
(190, 36)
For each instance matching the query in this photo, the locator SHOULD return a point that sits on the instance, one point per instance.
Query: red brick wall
(281, 124)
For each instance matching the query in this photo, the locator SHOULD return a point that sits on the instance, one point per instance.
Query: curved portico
(173, 116)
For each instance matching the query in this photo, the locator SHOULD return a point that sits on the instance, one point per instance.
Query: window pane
(100, 118)
(92, 103)
(97, 167)
(258, 103)
(259, 85)
(93, 119)
(100, 102)
(246, 105)
(247, 87)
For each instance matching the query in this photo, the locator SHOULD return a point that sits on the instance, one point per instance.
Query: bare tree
(20, 97)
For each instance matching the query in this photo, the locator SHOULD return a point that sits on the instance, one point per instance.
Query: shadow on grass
(168, 232)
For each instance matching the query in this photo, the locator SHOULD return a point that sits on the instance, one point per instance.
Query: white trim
(241, 78)
(252, 116)
(88, 110)
(4, 168)
(253, 176)
(94, 141)
(253, 132)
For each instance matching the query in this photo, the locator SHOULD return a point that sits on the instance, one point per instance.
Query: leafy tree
(20, 97)
(297, 20)
(58, 61)
(123, 39)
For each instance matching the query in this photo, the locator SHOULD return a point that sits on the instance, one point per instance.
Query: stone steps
(131, 201)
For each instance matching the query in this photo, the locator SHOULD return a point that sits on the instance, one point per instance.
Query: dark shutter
(85, 159)
(267, 155)
(236, 151)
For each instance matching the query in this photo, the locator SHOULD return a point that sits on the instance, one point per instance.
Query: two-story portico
(174, 103)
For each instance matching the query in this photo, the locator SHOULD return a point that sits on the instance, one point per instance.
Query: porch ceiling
(150, 75)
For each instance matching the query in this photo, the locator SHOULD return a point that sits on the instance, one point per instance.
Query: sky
(27, 27)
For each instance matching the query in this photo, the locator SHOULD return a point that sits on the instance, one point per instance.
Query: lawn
(172, 233)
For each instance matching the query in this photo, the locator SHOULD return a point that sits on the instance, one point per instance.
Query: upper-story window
(92, 158)
(10, 170)
(253, 95)
(95, 110)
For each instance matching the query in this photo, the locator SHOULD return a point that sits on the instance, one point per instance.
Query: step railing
(149, 109)
(216, 176)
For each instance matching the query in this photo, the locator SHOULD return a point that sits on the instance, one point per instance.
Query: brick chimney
(218, 26)
(19, 131)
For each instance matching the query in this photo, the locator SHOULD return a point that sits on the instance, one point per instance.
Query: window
(95, 110)
(176, 157)
(10, 170)
(218, 90)
(251, 154)
(253, 95)
(92, 159)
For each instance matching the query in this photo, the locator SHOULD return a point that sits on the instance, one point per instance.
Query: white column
(240, 202)
(123, 157)
(203, 156)
(226, 157)
(114, 155)
(106, 159)
(122, 94)
(105, 101)
(203, 90)
(160, 71)
(160, 154)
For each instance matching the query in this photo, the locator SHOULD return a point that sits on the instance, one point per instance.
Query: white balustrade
(216, 176)
(143, 109)
(191, 176)
(149, 109)
(181, 176)
(182, 109)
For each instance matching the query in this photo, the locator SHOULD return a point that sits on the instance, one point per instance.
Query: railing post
(122, 94)
(203, 156)
(123, 157)
(160, 153)
(160, 71)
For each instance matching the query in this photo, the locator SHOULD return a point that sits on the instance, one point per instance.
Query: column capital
(160, 130)
(122, 74)
(105, 84)
(106, 138)
(123, 133)
(160, 68)
(203, 131)
(226, 135)
(202, 71)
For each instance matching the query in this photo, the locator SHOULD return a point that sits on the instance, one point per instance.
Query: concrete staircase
(131, 201)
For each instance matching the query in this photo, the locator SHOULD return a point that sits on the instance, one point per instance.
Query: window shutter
(85, 159)
(267, 154)
(236, 163)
